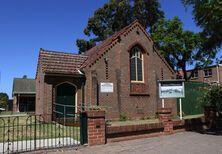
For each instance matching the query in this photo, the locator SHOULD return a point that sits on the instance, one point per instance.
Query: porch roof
(57, 62)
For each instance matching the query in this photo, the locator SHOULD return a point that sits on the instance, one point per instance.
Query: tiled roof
(23, 86)
(101, 48)
(60, 62)
(68, 63)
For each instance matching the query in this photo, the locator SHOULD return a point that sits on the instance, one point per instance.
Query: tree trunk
(184, 72)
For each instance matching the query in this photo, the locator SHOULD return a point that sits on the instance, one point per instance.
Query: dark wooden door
(65, 100)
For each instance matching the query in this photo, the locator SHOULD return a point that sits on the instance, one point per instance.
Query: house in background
(23, 94)
(210, 74)
(120, 74)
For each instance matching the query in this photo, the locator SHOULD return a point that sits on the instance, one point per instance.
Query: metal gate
(20, 133)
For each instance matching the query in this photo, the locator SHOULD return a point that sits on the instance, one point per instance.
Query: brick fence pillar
(96, 127)
(165, 118)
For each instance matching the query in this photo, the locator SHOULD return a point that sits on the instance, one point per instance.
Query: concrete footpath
(180, 143)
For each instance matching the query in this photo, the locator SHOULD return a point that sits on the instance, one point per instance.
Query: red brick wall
(131, 99)
(96, 127)
(46, 91)
(125, 99)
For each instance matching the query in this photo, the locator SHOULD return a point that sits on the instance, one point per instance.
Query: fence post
(83, 128)
(165, 118)
(35, 134)
(96, 127)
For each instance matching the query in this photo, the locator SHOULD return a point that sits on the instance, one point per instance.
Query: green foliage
(95, 108)
(212, 96)
(208, 15)
(179, 47)
(84, 45)
(116, 14)
(3, 99)
(123, 117)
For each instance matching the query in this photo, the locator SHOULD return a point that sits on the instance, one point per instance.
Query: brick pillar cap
(164, 111)
(95, 113)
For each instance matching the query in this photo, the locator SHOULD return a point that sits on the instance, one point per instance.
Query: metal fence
(36, 132)
(191, 103)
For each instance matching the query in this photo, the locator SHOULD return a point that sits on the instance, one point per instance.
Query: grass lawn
(147, 121)
(17, 128)
(132, 122)
(193, 116)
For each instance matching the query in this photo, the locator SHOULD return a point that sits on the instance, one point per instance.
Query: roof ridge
(62, 52)
(103, 45)
(23, 78)
(115, 35)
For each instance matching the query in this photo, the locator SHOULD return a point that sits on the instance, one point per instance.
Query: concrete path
(10, 147)
(180, 143)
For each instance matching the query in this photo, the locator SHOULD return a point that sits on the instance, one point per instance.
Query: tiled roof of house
(60, 62)
(23, 86)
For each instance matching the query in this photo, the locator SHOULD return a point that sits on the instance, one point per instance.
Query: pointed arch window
(136, 65)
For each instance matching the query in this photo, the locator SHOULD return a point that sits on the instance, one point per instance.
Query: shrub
(95, 107)
(212, 96)
(123, 117)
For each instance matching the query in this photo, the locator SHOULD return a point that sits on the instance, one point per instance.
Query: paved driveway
(180, 143)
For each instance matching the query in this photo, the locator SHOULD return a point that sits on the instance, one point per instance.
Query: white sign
(171, 89)
(106, 87)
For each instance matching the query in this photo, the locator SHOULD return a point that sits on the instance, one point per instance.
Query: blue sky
(27, 25)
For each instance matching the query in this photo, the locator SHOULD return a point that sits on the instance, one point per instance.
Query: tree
(208, 15)
(179, 47)
(3, 99)
(115, 15)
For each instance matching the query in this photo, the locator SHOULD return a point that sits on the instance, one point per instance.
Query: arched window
(136, 64)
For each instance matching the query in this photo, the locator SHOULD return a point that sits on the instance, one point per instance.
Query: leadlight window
(136, 64)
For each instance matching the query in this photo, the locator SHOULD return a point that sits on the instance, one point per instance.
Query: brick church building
(120, 74)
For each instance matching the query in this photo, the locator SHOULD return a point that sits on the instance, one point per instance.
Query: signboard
(171, 88)
(106, 87)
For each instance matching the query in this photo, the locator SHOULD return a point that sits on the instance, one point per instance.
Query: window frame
(195, 74)
(136, 63)
(206, 72)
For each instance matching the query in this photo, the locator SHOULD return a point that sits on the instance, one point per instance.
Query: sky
(28, 25)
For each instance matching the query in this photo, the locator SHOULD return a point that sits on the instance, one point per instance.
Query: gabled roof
(23, 86)
(57, 62)
(105, 45)
(100, 49)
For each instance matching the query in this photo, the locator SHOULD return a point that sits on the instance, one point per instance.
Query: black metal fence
(20, 133)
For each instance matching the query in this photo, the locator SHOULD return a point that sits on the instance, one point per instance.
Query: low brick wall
(119, 133)
(128, 132)
(99, 132)
(195, 124)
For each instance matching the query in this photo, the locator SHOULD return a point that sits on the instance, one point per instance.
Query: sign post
(172, 89)
(163, 103)
(181, 116)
